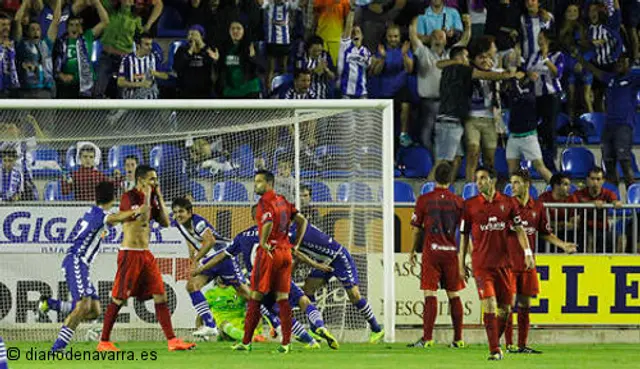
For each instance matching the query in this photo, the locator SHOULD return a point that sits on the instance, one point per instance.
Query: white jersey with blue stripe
(194, 233)
(352, 68)
(317, 245)
(531, 27)
(278, 31)
(91, 228)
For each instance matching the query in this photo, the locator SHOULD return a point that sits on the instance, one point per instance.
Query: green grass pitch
(349, 356)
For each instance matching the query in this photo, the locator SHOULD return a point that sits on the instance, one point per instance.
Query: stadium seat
(52, 192)
(417, 161)
(46, 159)
(562, 120)
(577, 161)
(95, 53)
(357, 192)
(397, 173)
(430, 186)
(118, 154)
(612, 187)
(634, 167)
(70, 159)
(320, 192)
(403, 192)
(242, 156)
(198, 192)
(167, 159)
(173, 48)
(573, 188)
(229, 191)
(336, 157)
(533, 191)
(171, 24)
(281, 82)
(500, 164)
(633, 194)
(593, 123)
(526, 164)
(470, 190)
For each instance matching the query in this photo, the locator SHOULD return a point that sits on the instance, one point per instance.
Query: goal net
(339, 152)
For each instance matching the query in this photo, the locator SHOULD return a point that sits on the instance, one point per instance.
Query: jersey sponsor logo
(266, 216)
(493, 225)
(414, 217)
(200, 227)
(357, 59)
(436, 247)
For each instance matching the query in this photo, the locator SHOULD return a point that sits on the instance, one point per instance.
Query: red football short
(495, 283)
(526, 283)
(138, 275)
(440, 271)
(272, 272)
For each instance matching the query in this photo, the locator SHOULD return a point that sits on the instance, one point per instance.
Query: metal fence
(596, 230)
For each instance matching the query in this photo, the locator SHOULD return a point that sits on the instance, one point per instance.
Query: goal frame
(385, 106)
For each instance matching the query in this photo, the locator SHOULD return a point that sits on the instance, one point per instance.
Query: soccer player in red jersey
(138, 274)
(436, 218)
(534, 220)
(273, 260)
(486, 218)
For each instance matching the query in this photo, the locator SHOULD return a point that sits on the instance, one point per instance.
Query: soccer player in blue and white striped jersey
(138, 71)
(532, 22)
(201, 238)
(91, 228)
(354, 61)
(278, 34)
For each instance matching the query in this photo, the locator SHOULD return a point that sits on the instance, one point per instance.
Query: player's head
(460, 53)
(9, 157)
(263, 182)
(74, 26)
(144, 44)
(130, 165)
(560, 185)
(146, 176)
(486, 180)
(87, 156)
(520, 182)
(105, 193)
(443, 174)
(305, 195)
(302, 80)
(182, 209)
(254, 211)
(393, 36)
(595, 179)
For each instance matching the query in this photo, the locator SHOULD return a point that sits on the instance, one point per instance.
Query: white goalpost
(208, 150)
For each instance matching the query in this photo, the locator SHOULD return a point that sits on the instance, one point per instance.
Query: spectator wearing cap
(72, 56)
(238, 65)
(194, 65)
(9, 80)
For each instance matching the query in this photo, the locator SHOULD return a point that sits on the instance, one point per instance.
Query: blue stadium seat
(332, 156)
(397, 173)
(500, 163)
(95, 53)
(593, 123)
(52, 192)
(612, 187)
(633, 194)
(46, 154)
(430, 186)
(357, 192)
(173, 48)
(167, 159)
(577, 161)
(242, 156)
(171, 24)
(417, 161)
(229, 191)
(533, 191)
(403, 192)
(469, 190)
(320, 192)
(198, 192)
(280, 83)
(573, 188)
(70, 159)
(526, 164)
(562, 120)
(118, 154)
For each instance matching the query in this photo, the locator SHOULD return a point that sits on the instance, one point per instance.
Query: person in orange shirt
(330, 16)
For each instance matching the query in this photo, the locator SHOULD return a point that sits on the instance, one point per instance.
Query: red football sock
(251, 320)
(457, 316)
(508, 329)
(523, 326)
(286, 321)
(429, 317)
(164, 318)
(109, 320)
(491, 326)
(502, 325)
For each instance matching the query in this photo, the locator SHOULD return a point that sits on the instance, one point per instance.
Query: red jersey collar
(269, 195)
(496, 197)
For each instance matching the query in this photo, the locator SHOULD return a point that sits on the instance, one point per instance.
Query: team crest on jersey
(266, 216)
(502, 208)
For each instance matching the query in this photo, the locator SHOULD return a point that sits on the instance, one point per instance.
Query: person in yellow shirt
(330, 16)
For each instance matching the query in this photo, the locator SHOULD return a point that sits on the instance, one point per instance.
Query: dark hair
(557, 179)
(455, 51)
(595, 170)
(131, 157)
(603, 17)
(87, 148)
(268, 176)
(315, 40)
(182, 202)
(141, 36)
(73, 17)
(492, 173)
(304, 187)
(481, 45)
(524, 174)
(9, 152)
(105, 192)
(300, 71)
(551, 38)
(443, 173)
(142, 170)
(5, 16)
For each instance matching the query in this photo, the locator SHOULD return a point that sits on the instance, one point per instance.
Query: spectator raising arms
(35, 64)
(319, 62)
(238, 67)
(439, 16)
(194, 66)
(354, 61)
(72, 56)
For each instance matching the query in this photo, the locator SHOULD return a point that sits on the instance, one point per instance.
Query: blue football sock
(64, 337)
(365, 310)
(315, 317)
(298, 330)
(202, 308)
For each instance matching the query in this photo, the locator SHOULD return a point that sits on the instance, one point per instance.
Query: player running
(80, 257)
(486, 218)
(201, 238)
(436, 218)
(534, 219)
(138, 274)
